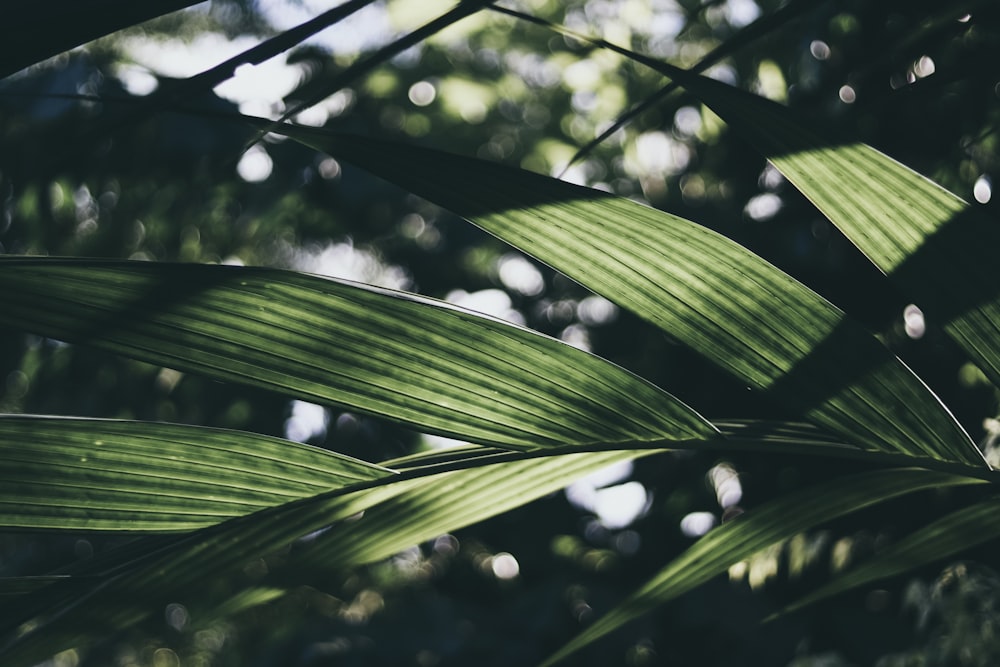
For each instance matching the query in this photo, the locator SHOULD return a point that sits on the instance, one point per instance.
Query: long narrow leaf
(210, 561)
(95, 474)
(33, 31)
(713, 295)
(952, 534)
(935, 246)
(763, 526)
(408, 358)
(418, 514)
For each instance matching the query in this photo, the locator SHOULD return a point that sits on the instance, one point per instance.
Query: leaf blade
(934, 245)
(109, 475)
(64, 616)
(742, 537)
(943, 538)
(715, 296)
(431, 365)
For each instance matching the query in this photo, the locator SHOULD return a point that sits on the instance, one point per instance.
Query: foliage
(171, 464)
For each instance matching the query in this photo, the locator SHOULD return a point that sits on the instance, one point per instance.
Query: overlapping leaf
(933, 244)
(744, 536)
(946, 537)
(938, 248)
(415, 360)
(95, 474)
(209, 563)
(420, 513)
(35, 31)
(711, 294)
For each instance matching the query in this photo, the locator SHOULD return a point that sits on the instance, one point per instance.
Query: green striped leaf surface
(211, 562)
(713, 295)
(415, 360)
(938, 248)
(96, 474)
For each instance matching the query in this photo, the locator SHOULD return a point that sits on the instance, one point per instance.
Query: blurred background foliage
(78, 177)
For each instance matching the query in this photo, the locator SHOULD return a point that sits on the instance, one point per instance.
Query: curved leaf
(935, 246)
(63, 616)
(415, 360)
(713, 295)
(755, 530)
(41, 30)
(952, 534)
(421, 512)
(96, 474)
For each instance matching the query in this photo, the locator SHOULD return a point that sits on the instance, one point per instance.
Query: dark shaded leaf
(742, 537)
(950, 535)
(207, 567)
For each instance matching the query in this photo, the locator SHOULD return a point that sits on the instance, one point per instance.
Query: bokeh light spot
(422, 93)
(726, 482)
(307, 420)
(924, 66)
(177, 616)
(913, 321)
(520, 275)
(505, 566)
(596, 310)
(255, 165)
(983, 189)
(697, 524)
(820, 50)
(687, 121)
(763, 207)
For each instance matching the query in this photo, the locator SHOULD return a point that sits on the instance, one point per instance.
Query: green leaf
(415, 360)
(209, 564)
(938, 248)
(713, 295)
(422, 512)
(94, 474)
(926, 239)
(943, 538)
(755, 530)
(40, 30)
(25, 585)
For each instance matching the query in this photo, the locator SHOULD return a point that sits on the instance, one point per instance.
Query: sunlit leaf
(211, 562)
(713, 295)
(777, 520)
(423, 511)
(938, 248)
(401, 356)
(94, 474)
(933, 244)
(950, 535)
